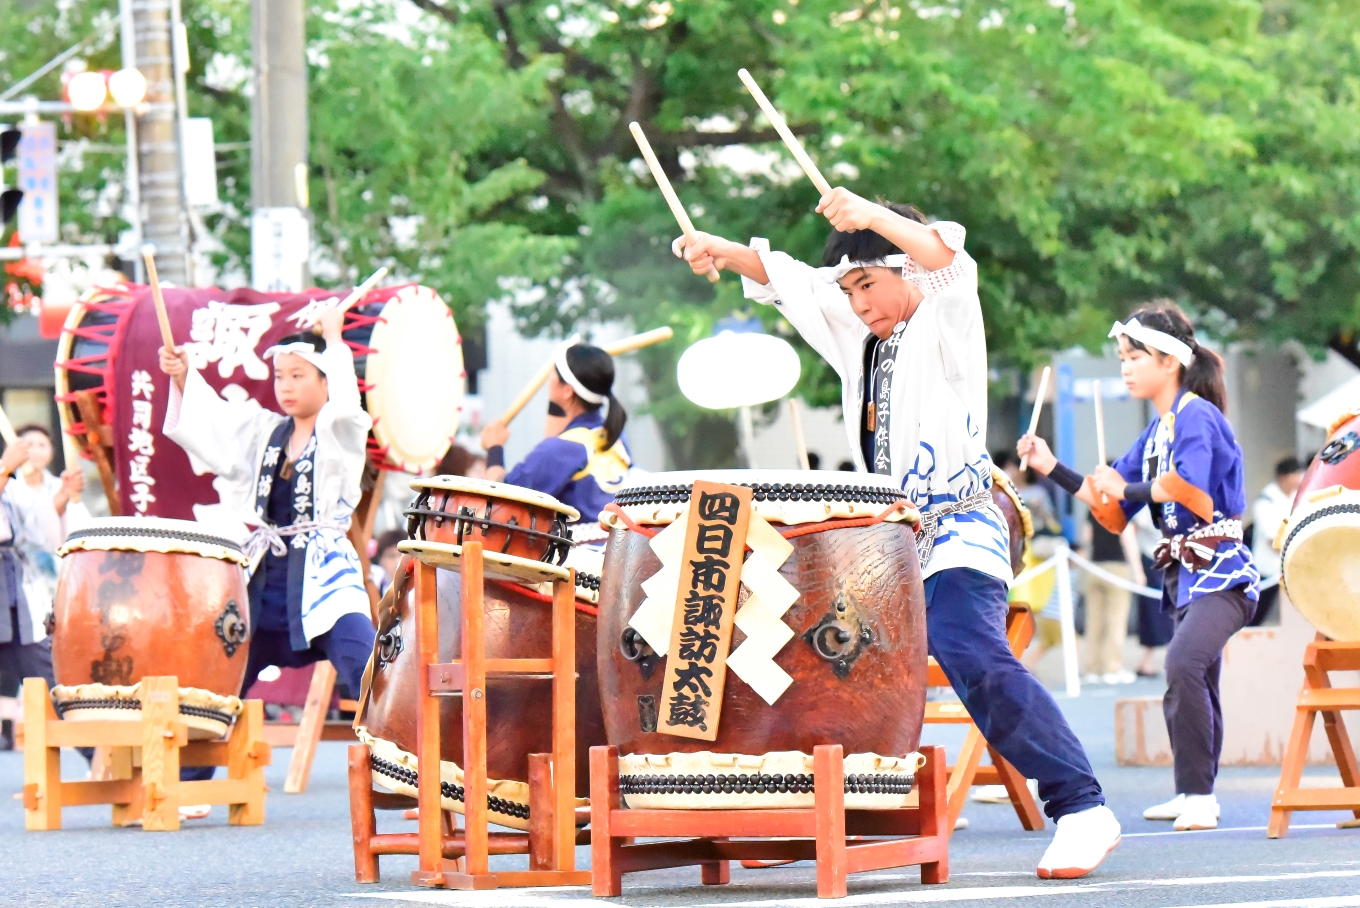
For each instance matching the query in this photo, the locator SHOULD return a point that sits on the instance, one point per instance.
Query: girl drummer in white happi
(295, 479)
(895, 312)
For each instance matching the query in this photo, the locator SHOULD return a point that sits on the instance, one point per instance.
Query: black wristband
(1066, 478)
(1138, 491)
(495, 456)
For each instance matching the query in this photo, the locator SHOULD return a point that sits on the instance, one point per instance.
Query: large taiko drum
(1320, 541)
(408, 358)
(146, 597)
(524, 534)
(856, 652)
(1018, 518)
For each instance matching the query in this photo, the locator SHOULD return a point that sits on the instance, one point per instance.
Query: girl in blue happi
(584, 459)
(1187, 469)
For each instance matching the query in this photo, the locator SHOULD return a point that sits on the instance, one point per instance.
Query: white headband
(1157, 340)
(302, 349)
(834, 273)
(570, 378)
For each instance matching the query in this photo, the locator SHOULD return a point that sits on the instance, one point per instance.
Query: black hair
(389, 540)
(865, 245)
(1005, 458)
(594, 368)
(1288, 465)
(33, 427)
(1204, 375)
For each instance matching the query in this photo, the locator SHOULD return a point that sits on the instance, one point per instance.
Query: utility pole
(161, 181)
(278, 145)
(134, 188)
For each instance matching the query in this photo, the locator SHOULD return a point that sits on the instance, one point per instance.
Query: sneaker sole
(1196, 828)
(1072, 873)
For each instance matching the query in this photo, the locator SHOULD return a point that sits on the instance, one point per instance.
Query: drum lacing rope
(787, 532)
(1329, 511)
(153, 533)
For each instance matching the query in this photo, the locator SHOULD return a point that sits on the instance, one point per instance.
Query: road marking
(1293, 826)
(1326, 901)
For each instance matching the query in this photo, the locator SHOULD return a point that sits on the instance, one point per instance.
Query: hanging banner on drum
(407, 356)
(705, 607)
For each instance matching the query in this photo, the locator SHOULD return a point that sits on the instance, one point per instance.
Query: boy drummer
(895, 311)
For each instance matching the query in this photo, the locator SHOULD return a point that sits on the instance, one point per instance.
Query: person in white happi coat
(295, 478)
(895, 311)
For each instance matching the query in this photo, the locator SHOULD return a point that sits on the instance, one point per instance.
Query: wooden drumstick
(790, 140)
(664, 184)
(361, 291)
(618, 347)
(7, 429)
(149, 256)
(1038, 408)
(1100, 429)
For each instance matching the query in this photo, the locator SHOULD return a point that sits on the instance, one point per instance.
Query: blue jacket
(575, 468)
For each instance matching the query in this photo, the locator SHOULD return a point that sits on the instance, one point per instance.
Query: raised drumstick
(361, 291)
(790, 140)
(1034, 414)
(1100, 429)
(664, 184)
(149, 256)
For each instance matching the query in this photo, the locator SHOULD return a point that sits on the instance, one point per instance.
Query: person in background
(1270, 510)
(1107, 605)
(1155, 626)
(64, 492)
(385, 564)
(27, 523)
(1040, 592)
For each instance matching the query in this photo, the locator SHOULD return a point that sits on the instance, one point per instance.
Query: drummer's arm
(219, 435)
(549, 467)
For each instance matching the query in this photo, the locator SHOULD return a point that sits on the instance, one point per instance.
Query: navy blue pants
(966, 627)
(347, 645)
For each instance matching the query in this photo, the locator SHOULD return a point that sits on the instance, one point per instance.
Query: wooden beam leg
(309, 730)
(542, 816)
(42, 764)
(1291, 770)
(965, 768)
(1031, 817)
(606, 874)
(430, 872)
(475, 834)
(715, 873)
(828, 773)
(564, 722)
(1337, 735)
(362, 822)
(120, 767)
(247, 756)
(160, 753)
(935, 822)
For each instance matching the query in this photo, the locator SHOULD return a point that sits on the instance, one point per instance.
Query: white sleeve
(39, 525)
(219, 436)
(818, 310)
(343, 416)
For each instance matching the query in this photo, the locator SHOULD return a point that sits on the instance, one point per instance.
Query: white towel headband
(834, 273)
(587, 395)
(1157, 340)
(302, 349)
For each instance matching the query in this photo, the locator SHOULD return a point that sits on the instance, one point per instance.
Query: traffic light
(9, 198)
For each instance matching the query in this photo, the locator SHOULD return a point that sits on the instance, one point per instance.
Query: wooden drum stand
(893, 838)
(552, 837)
(147, 790)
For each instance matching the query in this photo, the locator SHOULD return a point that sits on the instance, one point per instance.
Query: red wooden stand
(552, 837)
(883, 838)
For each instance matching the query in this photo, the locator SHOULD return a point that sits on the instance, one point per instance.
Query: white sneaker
(1200, 812)
(1172, 809)
(997, 794)
(1120, 677)
(1082, 841)
(960, 823)
(194, 811)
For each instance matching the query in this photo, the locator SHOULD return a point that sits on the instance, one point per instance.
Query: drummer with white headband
(895, 312)
(295, 479)
(584, 458)
(1186, 468)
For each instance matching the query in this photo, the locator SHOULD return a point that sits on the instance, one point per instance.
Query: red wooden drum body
(507, 520)
(518, 625)
(1018, 519)
(1320, 543)
(858, 653)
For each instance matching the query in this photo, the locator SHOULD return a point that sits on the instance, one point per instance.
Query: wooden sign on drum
(146, 597)
(1319, 540)
(855, 654)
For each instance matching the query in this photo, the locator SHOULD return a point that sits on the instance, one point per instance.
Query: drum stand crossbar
(145, 758)
(1318, 696)
(552, 837)
(708, 838)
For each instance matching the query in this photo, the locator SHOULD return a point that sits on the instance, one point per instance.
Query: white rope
(1096, 570)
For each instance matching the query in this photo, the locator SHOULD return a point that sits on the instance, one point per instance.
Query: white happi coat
(938, 400)
(28, 520)
(229, 438)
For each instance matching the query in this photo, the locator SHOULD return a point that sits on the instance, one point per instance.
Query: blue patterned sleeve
(549, 467)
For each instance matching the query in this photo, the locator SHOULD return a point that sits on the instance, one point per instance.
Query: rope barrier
(1096, 570)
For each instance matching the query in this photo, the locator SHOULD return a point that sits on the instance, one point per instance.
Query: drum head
(416, 376)
(153, 534)
(486, 488)
(1321, 569)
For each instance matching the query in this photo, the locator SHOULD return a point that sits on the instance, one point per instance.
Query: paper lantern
(87, 91)
(128, 87)
(737, 370)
